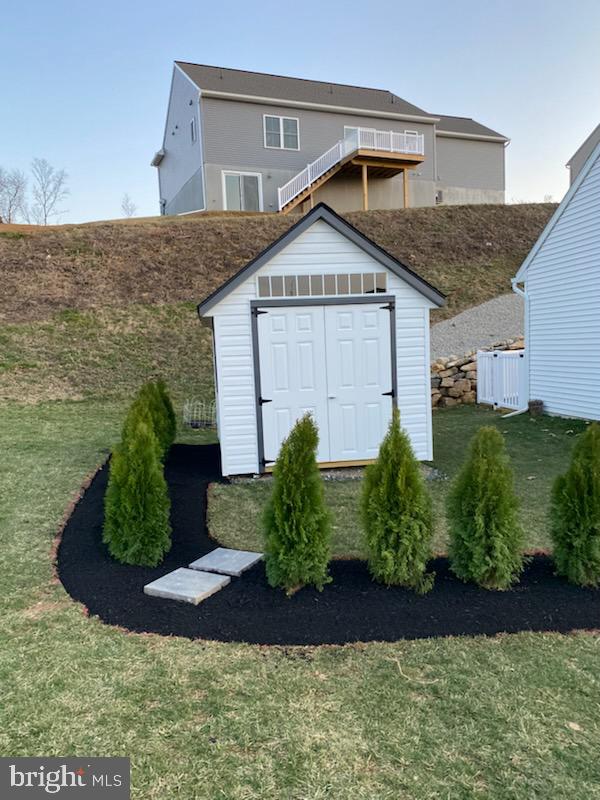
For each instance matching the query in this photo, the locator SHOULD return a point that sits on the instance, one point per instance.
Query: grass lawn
(539, 449)
(510, 717)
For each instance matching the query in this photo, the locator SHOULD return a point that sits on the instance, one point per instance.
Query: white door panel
(334, 362)
(292, 374)
(359, 373)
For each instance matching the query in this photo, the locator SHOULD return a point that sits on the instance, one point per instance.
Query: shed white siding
(318, 250)
(562, 281)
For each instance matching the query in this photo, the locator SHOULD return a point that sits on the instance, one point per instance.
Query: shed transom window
(322, 285)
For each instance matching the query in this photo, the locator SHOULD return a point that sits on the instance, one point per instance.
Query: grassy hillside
(469, 252)
(90, 311)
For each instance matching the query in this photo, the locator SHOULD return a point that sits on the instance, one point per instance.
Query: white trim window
(281, 133)
(242, 191)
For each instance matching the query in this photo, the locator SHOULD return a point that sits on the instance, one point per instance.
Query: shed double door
(333, 361)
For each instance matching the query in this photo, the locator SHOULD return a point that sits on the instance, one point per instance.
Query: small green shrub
(396, 514)
(486, 539)
(296, 522)
(575, 513)
(153, 404)
(136, 504)
(169, 412)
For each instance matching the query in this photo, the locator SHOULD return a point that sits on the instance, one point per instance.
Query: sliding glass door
(242, 191)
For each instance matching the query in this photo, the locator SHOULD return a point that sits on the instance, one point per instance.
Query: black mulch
(350, 609)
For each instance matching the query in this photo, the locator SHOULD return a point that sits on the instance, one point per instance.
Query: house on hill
(248, 141)
(560, 281)
(323, 321)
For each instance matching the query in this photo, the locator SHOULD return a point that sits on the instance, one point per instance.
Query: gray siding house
(237, 140)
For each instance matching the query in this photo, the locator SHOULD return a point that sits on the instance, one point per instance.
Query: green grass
(509, 717)
(539, 449)
(106, 353)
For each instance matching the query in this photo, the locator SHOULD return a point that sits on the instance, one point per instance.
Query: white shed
(560, 281)
(325, 321)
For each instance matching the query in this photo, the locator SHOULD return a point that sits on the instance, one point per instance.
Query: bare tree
(13, 188)
(548, 198)
(128, 207)
(49, 189)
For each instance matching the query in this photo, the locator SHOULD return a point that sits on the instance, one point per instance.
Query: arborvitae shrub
(153, 404)
(296, 522)
(139, 411)
(396, 514)
(169, 412)
(575, 513)
(136, 505)
(486, 539)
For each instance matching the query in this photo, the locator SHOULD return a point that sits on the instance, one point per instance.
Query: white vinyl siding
(318, 250)
(563, 288)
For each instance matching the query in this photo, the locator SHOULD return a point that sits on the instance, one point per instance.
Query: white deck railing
(502, 378)
(359, 139)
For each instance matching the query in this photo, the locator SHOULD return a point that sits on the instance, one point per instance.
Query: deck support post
(405, 186)
(365, 188)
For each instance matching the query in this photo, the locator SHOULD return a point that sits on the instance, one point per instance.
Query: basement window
(358, 283)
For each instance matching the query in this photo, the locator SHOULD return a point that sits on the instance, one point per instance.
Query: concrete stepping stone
(187, 585)
(226, 561)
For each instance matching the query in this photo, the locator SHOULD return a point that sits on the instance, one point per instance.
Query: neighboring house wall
(233, 140)
(180, 171)
(581, 156)
(234, 353)
(470, 171)
(562, 282)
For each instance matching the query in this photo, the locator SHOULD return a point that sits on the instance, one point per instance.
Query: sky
(85, 85)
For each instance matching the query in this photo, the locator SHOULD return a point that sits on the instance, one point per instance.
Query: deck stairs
(358, 141)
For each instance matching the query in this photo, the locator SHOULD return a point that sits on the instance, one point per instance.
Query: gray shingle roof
(238, 81)
(465, 125)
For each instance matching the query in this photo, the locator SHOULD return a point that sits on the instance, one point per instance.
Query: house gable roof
(465, 126)
(593, 157)
(325, 213)
(593, 136)
(299, 90)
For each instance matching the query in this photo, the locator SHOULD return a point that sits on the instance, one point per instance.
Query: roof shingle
(465, 125)
(259, 84)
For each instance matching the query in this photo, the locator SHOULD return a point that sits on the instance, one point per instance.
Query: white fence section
(358, 139)
(502, 378)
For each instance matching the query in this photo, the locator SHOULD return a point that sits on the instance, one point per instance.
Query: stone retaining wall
(454, 379)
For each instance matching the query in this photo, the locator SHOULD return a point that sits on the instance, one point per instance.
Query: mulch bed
(350, 609)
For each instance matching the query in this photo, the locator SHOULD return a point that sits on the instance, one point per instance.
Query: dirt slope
(469, 252)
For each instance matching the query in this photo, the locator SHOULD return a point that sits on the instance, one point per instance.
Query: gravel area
(491, 322)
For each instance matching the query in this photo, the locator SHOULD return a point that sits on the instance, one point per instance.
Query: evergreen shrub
(296, 522)
(575, 513)
(486, 539)
(396, 514)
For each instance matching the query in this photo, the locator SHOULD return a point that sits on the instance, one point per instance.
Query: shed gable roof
(325, 213)
(581, 177)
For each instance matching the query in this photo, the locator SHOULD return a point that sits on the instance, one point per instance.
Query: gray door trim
(256, 305)
(257, 392)
(348, 300)
(393, 356)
